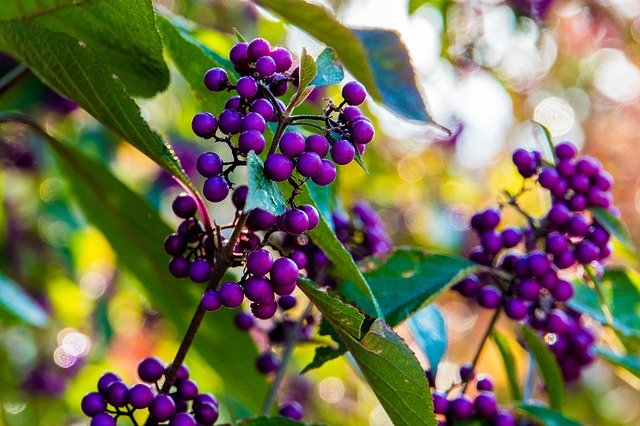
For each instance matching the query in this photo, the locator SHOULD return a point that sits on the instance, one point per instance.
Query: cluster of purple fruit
(183, 406)
(527, 284)
(264, 76)
(362, 233)
(483, 407)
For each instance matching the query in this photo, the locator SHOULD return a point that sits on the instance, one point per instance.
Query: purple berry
(350, 113)
(215, 189)
(511, 237)
(251, 140)
(566, 151)
(103, 419)
(566, 168)
(93, 403)
(267, 362)
(174, 245)
(243, 321)
(239, 197)
(264, 108)
(187, 390)
(230, 122)
(204, 124)
(342, 152)
(558, 215)
(199, 271)
(466, 372)
(258, 47)
(150, 369)
(485, 220)
(259, 290)
(484, 383)
(292, 144)
(184, 206)
(556, 243)
(440, 402)
(312, 215)
(279, 84)
(563, 291)
(284, 272)
(318, 144)
(206, 413)
(586, 252)
(299, 258)
(209, 164)
(247, 87)
(548, 177)
(326, 175)
(504, 418)
(178, 267)
(266, 66)
(515, 309)
(309, 164)
(259, 262)
(233, 103)
(282, 58)
(354, 93)
(362, 132)
(211, 301)
(489, 297)
(461, 408)
(117, 393)
(216, 79)
(486, 404)
(260, 220)
(278, 167)
(287, 302)
(254, 121)
(578, 226)
(491, 242)
(239, 54)
(264, 311)
(231, 294)
(140, 396)
(105, 380)
(296, 222)
(292, 410)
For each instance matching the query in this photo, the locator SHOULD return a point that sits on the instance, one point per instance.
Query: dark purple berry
(239, 54)
(204, 124)
(199, 271)
(292, 410)
(243, 321)
(469, 286)
(362, 132)
(264, 311)
(267, 362)
(211, 301)
(312, 215)
(566, 151)
(440, 402)
(251, 140)
(103, 419)
(563, 291)
(504, 418)
(292, 144)
(586, 252)
(259, 290)
(264, 108)
(279, 84)
(350, 113)
(258, 47)
(578, 226)
(247, 87)
(299, 258)
(239, 197)
(278, 167)
(259, 262)
(140, 396)
(184, 206)
(117, 393)
(318, 144)
(93, 403)
(486, 404)
(260, 220)
(206, 413)
(174, 245)
(215, 189)
(282, 58)
(216, 79)
(466, 372)
(461, 408)
(296, 222)
(548, 177)
(230, 122)
(187, 390)
(558, 215)
(489, 297)
(182, 419)
(342, 152)
(209, 164)
(266, 66)
(254, 121)
(150, 369)
(326, 175)
(284, 272)
(309, 164)
(231, 294)
(287, 302)
(233, 103)
(511, 237)
(515, 309)
(484, 383)
(354, 93)
(178, 267)
(105, 380)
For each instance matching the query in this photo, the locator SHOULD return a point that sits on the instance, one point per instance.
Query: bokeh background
(488, 68)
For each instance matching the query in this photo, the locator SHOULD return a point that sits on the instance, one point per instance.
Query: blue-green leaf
(631, 363)
(615, 227)
(545, 415)
(263, 193)
(429, 330)
(509, 363)
(329, 69)
(14, 300)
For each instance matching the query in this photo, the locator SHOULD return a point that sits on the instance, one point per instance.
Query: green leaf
(377, 58)
(14, 300)
(307, 73)
(409, 279)
(621, 290)
(548, 367)
(136, 232)
(429, 330)
(270, 421)
(134, 55)
(193, 59)
(392, 370)
(329, 69)
(509, 363)
(630, 363)
(79, 74)
(25, 10)
(324, 354)
(549, 141)
(545, 415)
(263, 193)
(615, 227)
(238, 35)
(343, 264)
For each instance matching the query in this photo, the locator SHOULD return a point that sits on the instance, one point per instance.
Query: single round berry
(251, 140)
(312, 215)
(309, 164)
(515, 309)
(258, 47)
(187, 390)
(117, 393)
(209, 164)
(179, 267)
(204, 124)
(244, 321)
(292, 410)
(484, 383)
(233, 103)
(264, 108)
(93, 403)
(489, 297)
(183, 419)
(105, 380)
(267, 362)
(284, 272)
(343, 152)
(326, 175)
(362, 132)
(239, 54)
(259, 262)
(266, 66)
(231, 294)
(260, 220)
(318, 144)
(206, 413)
(504, 418)
(279, 85)
(486, 404)
(461, 408)
(287, 302)
(278, 167)
(230, 122)
(239, 197)
(469, 286)
(566, 151)
(282, 58)
(264, 310)
(247, 87)
(485, 220)
(174, 245)
(511, 237)
(440, 402)
(184, 206)
(199, 271)
(140, 396)
(466, 372)
(259, 290)
(216, 79)
(350, 113)
(300, 258)
(548, 177)
(586, 252)
(211, 301)
(292, 144)
(215, 189)
(528, 289)
(150, 369)
(103, 419)
(296, 222)
(354, 93)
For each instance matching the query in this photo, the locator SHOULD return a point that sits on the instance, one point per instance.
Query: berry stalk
(485, 337)
(13, 77)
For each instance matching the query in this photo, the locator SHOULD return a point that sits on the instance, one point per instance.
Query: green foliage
(509, 363)
(129, 224)
(377, 58)
(548, 367)
(409, 279)
(392, 370)
(263, 193)
(429, 330)
(615, 227)
(329, 69)
(545, 415)
(269, 421)
(79, 73)
(307, 73)
(631, 363)
(15, 301)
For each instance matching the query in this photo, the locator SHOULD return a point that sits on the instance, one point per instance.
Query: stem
(308, 117)
(282, 124)
(485, 337)
(597, 286)
(12, 77)
(292, 339)
(531, 375)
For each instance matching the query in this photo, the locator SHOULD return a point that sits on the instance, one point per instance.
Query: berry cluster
(483, 407)
(528, 284)
(183, 406)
